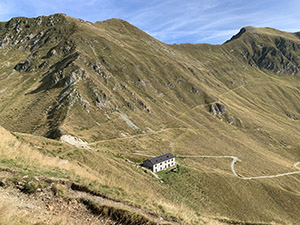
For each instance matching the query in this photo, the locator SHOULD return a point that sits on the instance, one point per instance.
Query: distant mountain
(270, 49)
(124, 92)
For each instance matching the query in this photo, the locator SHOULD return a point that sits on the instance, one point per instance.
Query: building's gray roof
(161, 158)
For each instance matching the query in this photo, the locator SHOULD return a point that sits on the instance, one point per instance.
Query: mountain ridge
(128, 95)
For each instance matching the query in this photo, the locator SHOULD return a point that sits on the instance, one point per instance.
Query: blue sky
(171, 21)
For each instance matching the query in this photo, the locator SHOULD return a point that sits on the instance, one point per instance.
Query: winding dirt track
(235, 159)
(233, 162)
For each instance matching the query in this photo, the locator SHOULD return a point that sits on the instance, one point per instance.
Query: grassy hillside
(25, 158)
(124, 92)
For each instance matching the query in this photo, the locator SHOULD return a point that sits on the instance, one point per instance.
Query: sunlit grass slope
(84, 78)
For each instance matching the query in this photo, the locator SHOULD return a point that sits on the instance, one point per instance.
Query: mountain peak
(113, 20)
(130, 96)
(236, 36)
(268, 48)
(264, 32)
(247, 29)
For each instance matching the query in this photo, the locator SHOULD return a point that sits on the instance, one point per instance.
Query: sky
(171, 21)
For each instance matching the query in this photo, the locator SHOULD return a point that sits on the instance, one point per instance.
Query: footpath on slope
(235, 159)
(233, 162)
(47, 206)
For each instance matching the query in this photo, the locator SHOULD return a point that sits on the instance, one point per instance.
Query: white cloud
(216, 22)
(170, 20)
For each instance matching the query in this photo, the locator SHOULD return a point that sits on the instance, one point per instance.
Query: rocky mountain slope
(121, 94)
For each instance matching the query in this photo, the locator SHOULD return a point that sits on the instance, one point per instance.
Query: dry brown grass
(118, 177)
(9, 216)
(263, 137)
(4, 210)
(26, 156)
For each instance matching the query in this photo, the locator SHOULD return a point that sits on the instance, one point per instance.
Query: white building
(161, 162)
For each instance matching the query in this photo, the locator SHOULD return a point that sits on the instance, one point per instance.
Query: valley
(87, 103)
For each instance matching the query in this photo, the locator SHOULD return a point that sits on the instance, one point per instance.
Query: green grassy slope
(84, 77)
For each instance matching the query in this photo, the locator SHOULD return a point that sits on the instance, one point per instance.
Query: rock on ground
(75, 141)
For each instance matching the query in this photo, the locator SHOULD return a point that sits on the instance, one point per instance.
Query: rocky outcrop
(281, 58)
(279, 54)
(292, 116)
(217, 109)
(75, 76)
(75, 141)
(23, 67)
